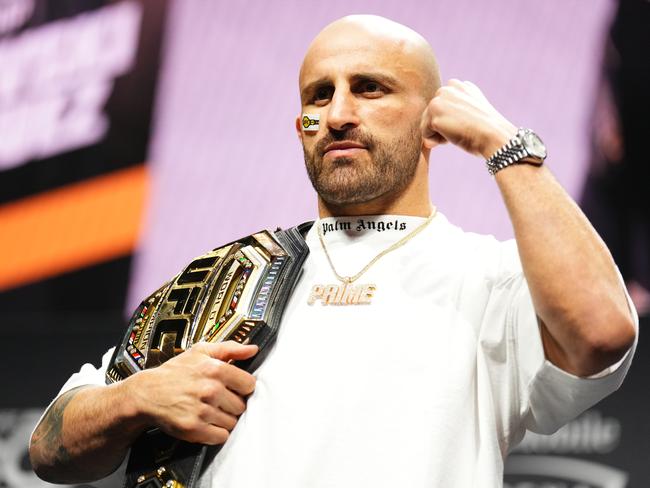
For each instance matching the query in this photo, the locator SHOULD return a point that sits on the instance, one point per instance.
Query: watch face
(534, 145)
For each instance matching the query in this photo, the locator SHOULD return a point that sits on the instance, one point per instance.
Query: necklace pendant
(344, 294)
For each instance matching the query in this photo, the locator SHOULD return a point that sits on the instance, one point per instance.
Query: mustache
(355, 135)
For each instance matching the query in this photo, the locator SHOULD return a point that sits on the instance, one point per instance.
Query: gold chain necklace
(347, 293)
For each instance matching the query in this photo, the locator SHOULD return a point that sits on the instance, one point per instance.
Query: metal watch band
(505, 158)
(509, 154)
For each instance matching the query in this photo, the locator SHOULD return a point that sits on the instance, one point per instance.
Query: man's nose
(342, 112)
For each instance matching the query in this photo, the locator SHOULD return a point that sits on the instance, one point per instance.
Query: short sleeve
(549, 397)
(87, 375)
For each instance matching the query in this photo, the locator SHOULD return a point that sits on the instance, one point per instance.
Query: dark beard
(345, 181)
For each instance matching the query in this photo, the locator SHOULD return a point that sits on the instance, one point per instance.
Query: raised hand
(460, 114)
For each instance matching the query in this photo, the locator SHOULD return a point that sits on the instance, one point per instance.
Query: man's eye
(323, 93)
(371, 86)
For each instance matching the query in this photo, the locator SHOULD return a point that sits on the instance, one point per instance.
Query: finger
(236, 379)
(209, 434)
(430, 143)
(475, 91)
(231, 403)
(228, 350)
(221, 418)
(456, 82)
(428, 134)
(431, 139)
(471, 85)
(197, 431)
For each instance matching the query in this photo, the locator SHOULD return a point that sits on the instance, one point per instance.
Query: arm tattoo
(47, 436)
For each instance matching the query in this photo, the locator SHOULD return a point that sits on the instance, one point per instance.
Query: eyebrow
(382, 78)
(313, 86)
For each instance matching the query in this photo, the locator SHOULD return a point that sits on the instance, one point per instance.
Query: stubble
(389, 168)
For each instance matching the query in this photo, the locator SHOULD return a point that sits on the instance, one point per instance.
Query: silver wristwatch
(524, 147)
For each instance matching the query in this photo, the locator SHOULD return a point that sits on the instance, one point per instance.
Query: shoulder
(481, 253)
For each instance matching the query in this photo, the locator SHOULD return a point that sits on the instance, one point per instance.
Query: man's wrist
(134, 410)
(524, 147)
(497, 138)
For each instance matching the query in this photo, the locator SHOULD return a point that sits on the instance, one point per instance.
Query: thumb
(225, 351)
(432, 139)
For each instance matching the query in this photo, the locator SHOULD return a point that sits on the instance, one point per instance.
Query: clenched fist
(460, 114)
(196, 396)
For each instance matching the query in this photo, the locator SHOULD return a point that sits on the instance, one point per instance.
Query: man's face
(368, 94)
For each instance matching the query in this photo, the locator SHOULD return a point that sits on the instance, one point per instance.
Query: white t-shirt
(428, 386)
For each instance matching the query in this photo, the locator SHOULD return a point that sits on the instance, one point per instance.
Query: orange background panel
(71, 227)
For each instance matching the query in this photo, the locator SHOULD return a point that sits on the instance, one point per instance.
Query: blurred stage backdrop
(137, 134)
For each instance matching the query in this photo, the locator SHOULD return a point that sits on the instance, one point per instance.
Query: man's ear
(299, 127)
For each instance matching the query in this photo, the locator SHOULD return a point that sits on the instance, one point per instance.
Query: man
(458, 351)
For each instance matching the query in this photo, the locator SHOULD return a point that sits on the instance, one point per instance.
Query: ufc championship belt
(235, 292)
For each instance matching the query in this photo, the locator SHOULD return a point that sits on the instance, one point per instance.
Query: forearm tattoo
(47, 437)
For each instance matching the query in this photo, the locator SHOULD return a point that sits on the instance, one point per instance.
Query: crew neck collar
(360, 228)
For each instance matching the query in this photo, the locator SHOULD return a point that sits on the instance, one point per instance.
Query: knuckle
(211, 390)
(433, 124)
(187, 425)
(218, 389)
(204, 411)
(444, 90)
(201, 349)
(212, 367)
(218, 368)
(226, 347)
(204, 391)
(206, 349)
(436, 105)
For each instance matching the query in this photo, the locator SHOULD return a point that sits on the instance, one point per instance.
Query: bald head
(372, 34)
(367, 80)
